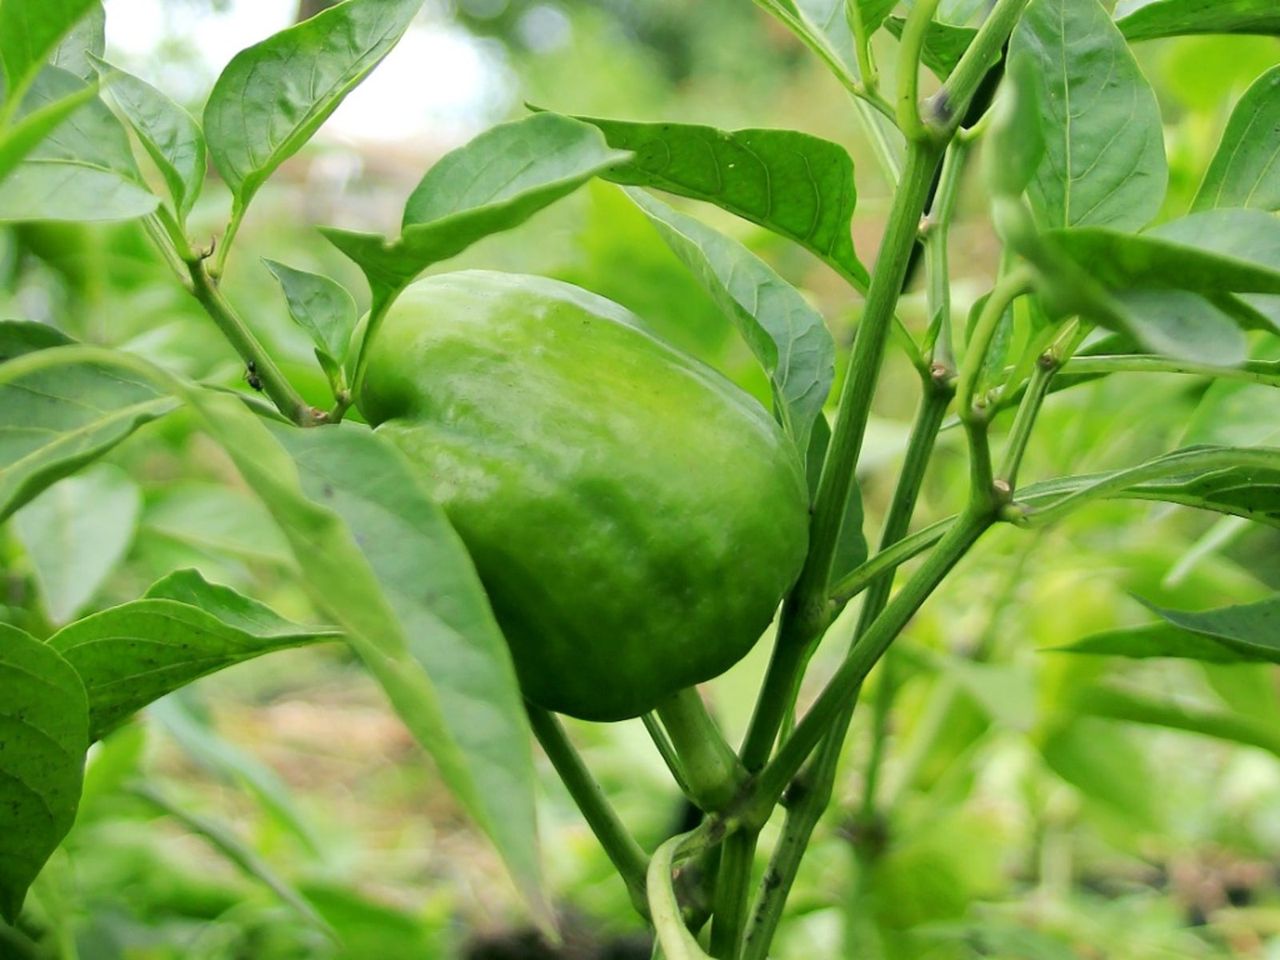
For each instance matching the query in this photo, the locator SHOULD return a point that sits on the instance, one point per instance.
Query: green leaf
(436, 604)
(88, 38)
(1216, 251)
(787, 336)
(137, 652)
(1117, 704)
(1105, 163)
(1015, 142)
(230, 764)
(1245, 172)
(212, 519)
(320, 306)
(169, 134)
(797, 185)
(823, 26)
(71, 190)
(1152, 19)
(1242, 481)
(432, 611)
(30, 31)
(56, 416)
(496, 182)
(1177, 323)
(75, 533)
(17, 142)
(25, 336)
(944, 44)
(1105, 766)
(1247, 633)
(43, 740)
(91, 135)
(273, 96)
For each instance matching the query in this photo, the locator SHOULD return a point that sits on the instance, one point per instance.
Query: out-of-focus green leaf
(1098, 760)
(30, 31)
(273, 96)
(1245, 172)
(44, 735)
(25, 336)
(87, 39)
(75, 533)
(1104, 163)
(214, 519)
(410, 602)
(1152, 19)
(55, 417)
(788, 337)
(794, 184)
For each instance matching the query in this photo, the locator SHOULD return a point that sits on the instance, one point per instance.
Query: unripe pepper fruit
(635, 517)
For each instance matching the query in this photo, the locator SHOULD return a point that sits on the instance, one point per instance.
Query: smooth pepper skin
(633, 515)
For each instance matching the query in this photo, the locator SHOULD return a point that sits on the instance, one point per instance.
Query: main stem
(812, 792)
(806, 612)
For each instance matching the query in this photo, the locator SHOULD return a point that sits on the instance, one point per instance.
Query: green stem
(806, 612)
(937, 238)
(843, 685)
(228, 238)
(1025, 420)
(1011, 286)
(620, 847)
(862, 45)
(674, 937)
(812, 791)
(167, 236)
(911, 46)
(711, 769)
(1266, 372)
(732, 888)
(241, 338)
(947, 107)
(890, 558)
(666, 750)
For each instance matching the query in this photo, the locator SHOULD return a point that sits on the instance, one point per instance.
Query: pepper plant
(1097, 276)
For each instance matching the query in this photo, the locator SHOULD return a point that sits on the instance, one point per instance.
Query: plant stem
(167, 236)
(862, 45)
(890, 558)
(674, 937)
(241, 338)
(811, 792)
(843, 685)
(806, 612)
(947, 107)
(620, 847)
(910, 47)
(940, 343)
(228, 238)
(1266, 372)
(1011, 286)
(711, 768)
(665, 749)
(1037, 389)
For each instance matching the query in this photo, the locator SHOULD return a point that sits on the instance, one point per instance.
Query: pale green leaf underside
(1245, 171)
(75, 533)
(1104, 161)
(1152, 19)
(787, 336)
(54, 420)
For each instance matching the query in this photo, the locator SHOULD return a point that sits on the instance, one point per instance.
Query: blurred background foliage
(278, 810)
